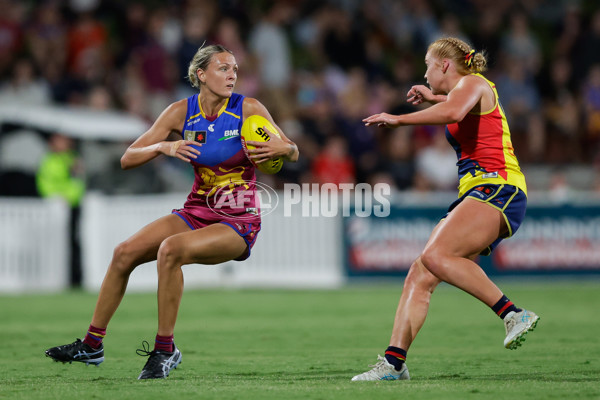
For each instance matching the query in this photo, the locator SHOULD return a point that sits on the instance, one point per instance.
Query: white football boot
(517, 325)
(383, 371)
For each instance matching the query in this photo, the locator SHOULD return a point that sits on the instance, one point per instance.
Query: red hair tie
(469, 58)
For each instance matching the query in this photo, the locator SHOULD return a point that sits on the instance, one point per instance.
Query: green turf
(276, 344)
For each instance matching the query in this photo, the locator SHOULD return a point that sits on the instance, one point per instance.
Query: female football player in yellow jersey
(204, 231)
(491, 200)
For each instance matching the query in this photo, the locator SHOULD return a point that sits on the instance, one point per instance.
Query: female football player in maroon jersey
(203, 231)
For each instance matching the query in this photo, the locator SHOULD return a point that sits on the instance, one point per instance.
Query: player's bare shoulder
(254, 107)
(173, 117)
(477, 82)
(472, 80)
(481, 85)
(178, 109)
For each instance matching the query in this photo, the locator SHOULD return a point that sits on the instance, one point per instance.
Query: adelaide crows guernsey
(484, 149)
(224, 178)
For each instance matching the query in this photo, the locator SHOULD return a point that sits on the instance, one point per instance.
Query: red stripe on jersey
(480, 138)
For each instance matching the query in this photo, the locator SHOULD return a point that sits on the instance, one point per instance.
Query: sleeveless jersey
(224, 178)
(484, 149)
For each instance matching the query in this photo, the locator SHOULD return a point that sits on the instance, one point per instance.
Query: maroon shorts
(247, 230)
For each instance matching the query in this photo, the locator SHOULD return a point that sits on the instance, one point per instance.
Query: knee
(433, 260)
(123, 260)
(169, 254)
(420, 278)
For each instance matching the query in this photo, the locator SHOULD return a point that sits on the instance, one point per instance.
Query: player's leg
(212, 244)
(410, 316)
(413, 306)
(469, 229)
(419, 285)
(139, 248)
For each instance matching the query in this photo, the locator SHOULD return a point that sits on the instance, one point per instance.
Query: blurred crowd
(320, 67)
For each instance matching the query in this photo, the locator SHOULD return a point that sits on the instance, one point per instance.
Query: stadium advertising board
(562, 239)
(553, 239)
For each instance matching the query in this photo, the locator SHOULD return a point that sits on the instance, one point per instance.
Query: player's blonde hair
(467, 60)
(201, 60)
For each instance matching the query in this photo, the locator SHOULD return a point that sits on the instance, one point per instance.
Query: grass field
(276, 344)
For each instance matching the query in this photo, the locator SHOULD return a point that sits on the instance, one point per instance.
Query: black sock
(395, 356)
(504, 306)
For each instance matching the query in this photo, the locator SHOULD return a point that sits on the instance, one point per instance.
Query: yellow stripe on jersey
(232, 114)
(194, 116)
(220, 111)
(484, 148)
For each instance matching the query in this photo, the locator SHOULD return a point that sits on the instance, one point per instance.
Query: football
(253, 130)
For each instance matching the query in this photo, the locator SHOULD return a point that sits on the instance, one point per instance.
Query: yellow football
(253, 130)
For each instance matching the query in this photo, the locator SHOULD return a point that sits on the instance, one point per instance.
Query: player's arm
(462, 99)
(276, 147)
(155, 140)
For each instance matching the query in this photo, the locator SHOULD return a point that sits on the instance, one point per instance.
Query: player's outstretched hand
(383, 119)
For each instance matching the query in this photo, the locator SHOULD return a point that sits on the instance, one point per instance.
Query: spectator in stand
(518, 93)
(591, 106)
(562, 112)
(436, 163)
(87, 40)
(450, 26)
(342, 43)
(24, 86)
(195, 33)
(487, 37)
(156, 68)
(520, 43)
(270, 47)
(333, 164)
(11, 33)
(227, 32)
(398, 157)
(569, 39)
(590, 43)
(47, 37)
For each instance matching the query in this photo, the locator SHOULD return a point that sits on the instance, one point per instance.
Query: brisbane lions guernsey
(224, 178)
(484, 149)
